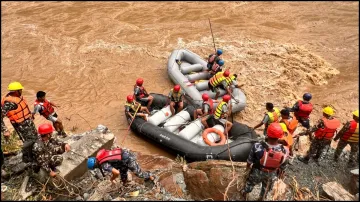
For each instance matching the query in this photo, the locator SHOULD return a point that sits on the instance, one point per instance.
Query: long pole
(212, 35)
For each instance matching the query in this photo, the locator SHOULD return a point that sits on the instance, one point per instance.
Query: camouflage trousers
(26, 130)
(54, 161)
(316, 148)
(257, 176)
(132, 165)
(353, 152)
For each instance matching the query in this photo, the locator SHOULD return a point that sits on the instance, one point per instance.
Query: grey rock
(79, 198)
(86, 196)
(102, 129)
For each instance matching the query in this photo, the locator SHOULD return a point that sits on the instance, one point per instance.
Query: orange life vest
(352, 135)
(290, 125)
(288, 139)
(328, 132)
(304, 110)
(271, 160)
(211, 105)
(48, 109)
(21, 113)
(141, 92)
(217, 79)
(108, 155)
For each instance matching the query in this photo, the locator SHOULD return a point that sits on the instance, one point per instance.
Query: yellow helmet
(356, 113)
(283, 126)
(15, 86)
(329, 111)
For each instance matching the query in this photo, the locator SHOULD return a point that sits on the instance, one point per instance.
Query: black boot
(304, 159)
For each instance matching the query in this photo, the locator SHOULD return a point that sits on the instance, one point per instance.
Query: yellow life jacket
(217, 79)
(218, 112)
(230, 79)
(133, 106)
(273, 116)
(176, 96)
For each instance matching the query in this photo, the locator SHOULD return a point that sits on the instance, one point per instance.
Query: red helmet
(226, 98)
(275, 130)
(139, 81)
(205, 97)
(130, 98)
(45, 128)
(226, 73)
(176, 88)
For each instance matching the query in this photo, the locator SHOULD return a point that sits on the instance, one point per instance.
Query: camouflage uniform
(128, 162)
(317, 145)
(47, 155)
(342, 144)
(26, 130)
(257, 175)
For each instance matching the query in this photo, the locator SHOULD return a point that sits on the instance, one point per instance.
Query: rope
(61, 184)
(122, 143)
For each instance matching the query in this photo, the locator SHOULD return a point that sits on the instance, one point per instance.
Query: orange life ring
(213, 130)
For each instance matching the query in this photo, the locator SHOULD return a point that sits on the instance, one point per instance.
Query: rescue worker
(176, 99)
(289, 121)
(287, 140)
(214, 58)
(15, 107)
(132, 107)
(118, 161)
(302, 110)
(349, 134)
(216, 81)
(272, 115)
(230, 83)
(141, 94)
(206, 110)
(267, 160)
(46, 109)
(47, 150)
(324, 132)
(217, 67)
(222, 112)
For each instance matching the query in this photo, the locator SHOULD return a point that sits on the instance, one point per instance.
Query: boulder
(354, 181)
(209, 179)
(89, 143)
(336, 192)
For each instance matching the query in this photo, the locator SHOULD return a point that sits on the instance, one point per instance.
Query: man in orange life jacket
(206, 110)
(268, 160)
(290, 122)
(118, 161)
(46, 109)
(213, 58)
(272, 115)
(141, 94)
(324, 132)
(176, 99)
(349, 134)
(15, 107)
(216, 81)
(302, 110)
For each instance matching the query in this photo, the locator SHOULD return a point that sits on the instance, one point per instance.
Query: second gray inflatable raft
(193, 80)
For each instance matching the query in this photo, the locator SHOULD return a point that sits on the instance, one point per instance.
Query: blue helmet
(307, 96)
(219, 51)
(221, 62)
(91, 163)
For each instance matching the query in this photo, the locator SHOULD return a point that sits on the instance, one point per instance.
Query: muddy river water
(87, 55)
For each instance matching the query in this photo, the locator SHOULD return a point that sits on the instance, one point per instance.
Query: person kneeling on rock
(118, 161)
(47, 150)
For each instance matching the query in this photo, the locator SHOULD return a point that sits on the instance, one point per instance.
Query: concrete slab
(83, 146)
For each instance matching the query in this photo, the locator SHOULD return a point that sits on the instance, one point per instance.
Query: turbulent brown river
(87, 55)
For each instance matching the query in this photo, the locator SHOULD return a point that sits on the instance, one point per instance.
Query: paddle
(131, 123)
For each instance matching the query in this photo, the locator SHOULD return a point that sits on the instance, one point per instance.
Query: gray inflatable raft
(193, 79)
